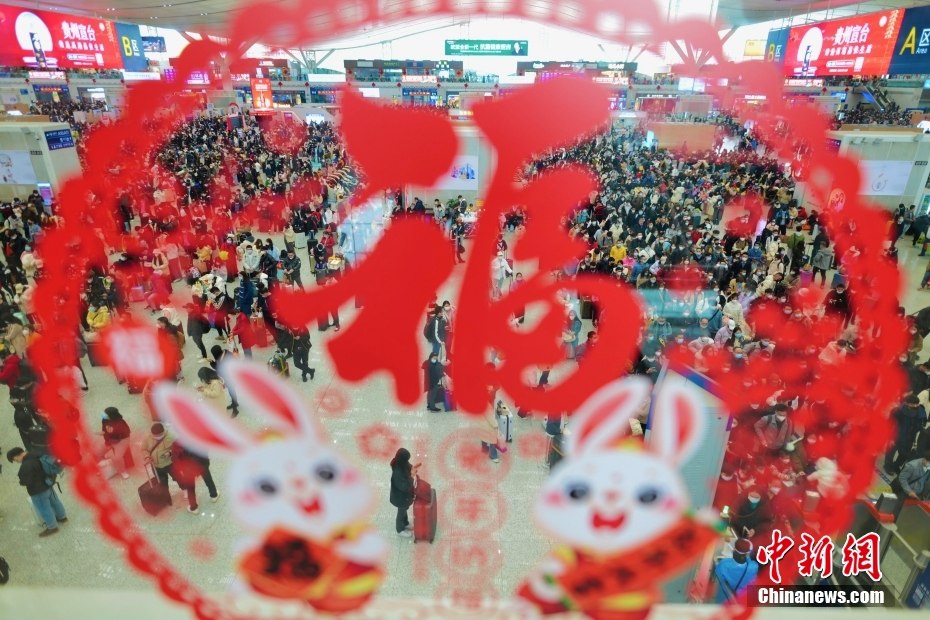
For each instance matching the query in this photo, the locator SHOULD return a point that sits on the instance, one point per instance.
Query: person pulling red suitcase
(425, 511)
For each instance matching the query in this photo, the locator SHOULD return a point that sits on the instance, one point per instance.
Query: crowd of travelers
(657, 210)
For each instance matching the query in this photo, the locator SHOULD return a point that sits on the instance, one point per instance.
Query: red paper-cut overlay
(519, 127)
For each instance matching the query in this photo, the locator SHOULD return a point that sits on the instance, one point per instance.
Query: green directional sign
(484, 47)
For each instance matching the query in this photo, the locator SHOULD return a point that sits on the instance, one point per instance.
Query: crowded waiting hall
(388, 310)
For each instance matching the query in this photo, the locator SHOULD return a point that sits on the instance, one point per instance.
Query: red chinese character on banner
(519, 128)
(774, 553)
(815, 555)
(860, 555)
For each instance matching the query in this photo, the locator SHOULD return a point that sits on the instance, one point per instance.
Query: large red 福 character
(384, 335)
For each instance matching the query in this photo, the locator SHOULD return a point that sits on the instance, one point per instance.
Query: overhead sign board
(754, 48)
(261, 94)
(776, 44)
(46, 40)
(47, 75)
(130, 47)
(911, 53)
(484, 47)
(860, 45)
(59, 139)
(418, 79)
(154, 45)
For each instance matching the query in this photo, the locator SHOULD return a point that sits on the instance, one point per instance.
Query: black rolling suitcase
(95, 353)
(154, 496)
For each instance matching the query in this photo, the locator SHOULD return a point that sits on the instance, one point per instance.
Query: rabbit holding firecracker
(305, 503)
(619, 507)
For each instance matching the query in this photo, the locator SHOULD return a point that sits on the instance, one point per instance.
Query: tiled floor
(80, 557)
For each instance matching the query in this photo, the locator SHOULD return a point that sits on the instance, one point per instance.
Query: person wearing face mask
(250, 261)
(648, 366)
(910, 419)
(725, 333)
(751, 518)
(727, 490)
(739, 356)
(914, 480)
(435, 373)
(116, 439)
(735, 574)
(837, 304)
(775, 431)
(582, 349)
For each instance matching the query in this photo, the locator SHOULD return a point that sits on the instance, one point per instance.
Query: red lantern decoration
(398, 85)
(372, 84)
(466, 84)
(306, 83)
(659, 87)
(823, 91)
(27, 80)
(94, 80)
(280, 83)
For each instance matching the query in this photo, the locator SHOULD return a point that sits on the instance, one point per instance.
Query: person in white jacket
(500, 269)
(250, 260)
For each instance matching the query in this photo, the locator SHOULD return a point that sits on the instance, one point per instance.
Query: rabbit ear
(603, 419)
(678, 423)
(270, 396)
(198, 426)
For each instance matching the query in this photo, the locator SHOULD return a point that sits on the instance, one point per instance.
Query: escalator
(877, 96)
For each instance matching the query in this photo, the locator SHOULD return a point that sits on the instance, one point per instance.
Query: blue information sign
(59, 139)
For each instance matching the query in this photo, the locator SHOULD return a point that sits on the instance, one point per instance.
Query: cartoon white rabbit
(305, 504)
(618, 507)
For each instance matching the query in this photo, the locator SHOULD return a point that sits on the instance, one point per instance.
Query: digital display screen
(860, 45)
(59, 139)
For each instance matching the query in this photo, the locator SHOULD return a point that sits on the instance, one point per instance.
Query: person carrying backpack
(39, 473)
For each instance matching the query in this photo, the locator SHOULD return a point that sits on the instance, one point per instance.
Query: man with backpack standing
(38, 474)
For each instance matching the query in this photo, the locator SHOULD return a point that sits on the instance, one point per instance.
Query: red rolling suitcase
(425, 512)
(153, 494)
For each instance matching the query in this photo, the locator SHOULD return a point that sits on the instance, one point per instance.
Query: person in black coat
(197, 327)
(435, 391)
(40, 487)
(910, 418)
(402, 485)
(301, 348)
(752, 517)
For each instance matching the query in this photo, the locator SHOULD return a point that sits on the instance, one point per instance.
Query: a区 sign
(912, 49)
(483, 47)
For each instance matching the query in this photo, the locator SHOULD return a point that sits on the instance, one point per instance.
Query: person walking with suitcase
(402, 483)
(41, 488)
(157, 447)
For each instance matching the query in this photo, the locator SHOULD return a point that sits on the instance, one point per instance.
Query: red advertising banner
(860, 45)
(261, 94)
(46, 40)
